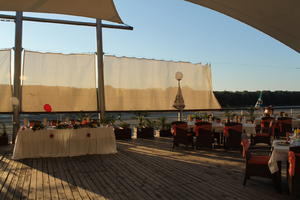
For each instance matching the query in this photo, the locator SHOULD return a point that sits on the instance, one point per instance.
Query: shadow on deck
(142, 169)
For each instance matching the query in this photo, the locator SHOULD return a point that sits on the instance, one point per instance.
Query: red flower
(88, 135)
(51, 135)
(47, 108)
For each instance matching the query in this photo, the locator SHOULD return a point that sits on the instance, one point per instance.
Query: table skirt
(64, 142)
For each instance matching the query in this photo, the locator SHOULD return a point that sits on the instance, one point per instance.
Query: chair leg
(173, 146)
(245, 180)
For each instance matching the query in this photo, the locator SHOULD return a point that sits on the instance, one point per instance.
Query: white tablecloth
(64, 142)
(279, 153)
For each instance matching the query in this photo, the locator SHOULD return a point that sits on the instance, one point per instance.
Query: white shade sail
(101, 9)
(277, 18)
(5, 83)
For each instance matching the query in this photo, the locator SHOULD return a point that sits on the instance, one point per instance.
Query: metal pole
(101, 98)
(59, 21)
(17, 73)
(180, 111)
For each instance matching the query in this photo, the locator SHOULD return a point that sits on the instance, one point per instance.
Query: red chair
(233, 134)
(204, 134)
(256, 159)
(284, 126)
(181, 135)
(266, 132)
(294, 171)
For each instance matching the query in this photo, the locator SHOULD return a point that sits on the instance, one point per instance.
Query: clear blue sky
(242, 57)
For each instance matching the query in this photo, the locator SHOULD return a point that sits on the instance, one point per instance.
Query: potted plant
(4, 136)
(147, 131)
(145, 128)
(165, 128)
(108, 120)
(123, 131)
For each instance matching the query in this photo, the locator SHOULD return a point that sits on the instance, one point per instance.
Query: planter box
(123, 134)
(145, 133)
(3, 140)
(165, 133)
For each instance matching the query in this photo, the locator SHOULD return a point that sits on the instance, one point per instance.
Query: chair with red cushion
(257, 159)
(284, 126)
(204, 134)
(233, 134)
(266, 132)
(294, 171)
(181, 135)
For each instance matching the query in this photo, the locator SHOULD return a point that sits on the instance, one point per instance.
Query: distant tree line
(247, 99)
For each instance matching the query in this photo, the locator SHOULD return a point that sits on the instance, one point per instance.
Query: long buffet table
(64, 142)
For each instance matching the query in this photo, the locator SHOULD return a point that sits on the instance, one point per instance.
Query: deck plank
(142, 169)
(76, 181)
(57, 187)
(69, 179)
(33, 182)
(63, 178)
(20, 180)
(9, 176)
(27, 178)
(46, 180)
(85, 183)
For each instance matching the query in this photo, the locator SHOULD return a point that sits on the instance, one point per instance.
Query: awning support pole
(101, 98)
(17, 74)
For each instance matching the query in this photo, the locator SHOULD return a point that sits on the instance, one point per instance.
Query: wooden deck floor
(142, 169)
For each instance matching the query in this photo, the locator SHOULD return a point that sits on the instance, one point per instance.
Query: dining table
(279, 154)
(64, 142)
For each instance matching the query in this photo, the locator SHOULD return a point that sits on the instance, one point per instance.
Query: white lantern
(15, 101)
(178, 76)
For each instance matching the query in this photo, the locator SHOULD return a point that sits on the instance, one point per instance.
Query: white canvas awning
(277, 18)
(101, 9)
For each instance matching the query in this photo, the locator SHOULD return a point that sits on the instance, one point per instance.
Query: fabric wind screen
(277, 18)
(101, 9)
(5, 81)
(67, 82)
(142, 84)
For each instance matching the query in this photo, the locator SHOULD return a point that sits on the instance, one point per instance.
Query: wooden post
(17, 74)
(101, 97)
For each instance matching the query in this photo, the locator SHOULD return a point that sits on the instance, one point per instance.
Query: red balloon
(47, 108)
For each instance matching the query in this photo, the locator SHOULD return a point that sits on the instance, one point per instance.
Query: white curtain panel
(143, 84)
(5, 81)
(66, 82)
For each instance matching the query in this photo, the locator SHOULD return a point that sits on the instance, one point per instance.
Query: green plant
(151, 123)
(37, 126)
(163, 125)
(124, 125)
(140, 117)
(108, 120)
